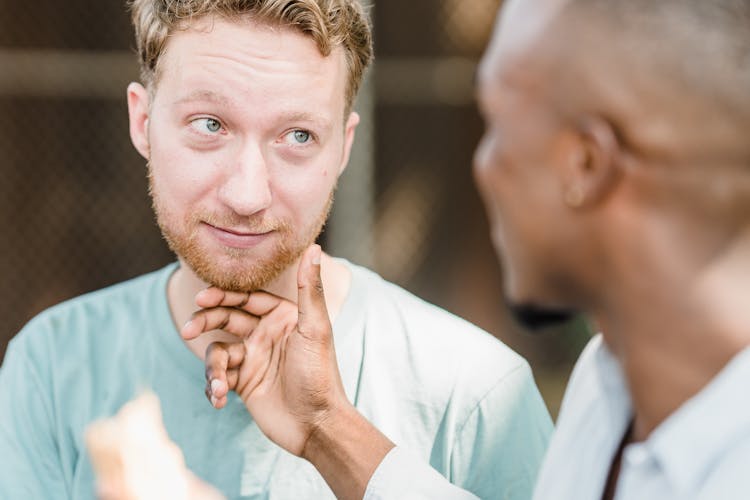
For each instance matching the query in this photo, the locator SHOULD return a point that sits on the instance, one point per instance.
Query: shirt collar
(611, 386)
(691, 440)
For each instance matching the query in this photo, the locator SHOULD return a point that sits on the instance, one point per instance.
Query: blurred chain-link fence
(75, 215)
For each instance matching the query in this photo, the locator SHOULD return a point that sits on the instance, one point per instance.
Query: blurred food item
(134, 459)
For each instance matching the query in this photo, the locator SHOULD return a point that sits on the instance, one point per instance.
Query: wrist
(323, 431)
(346, 449)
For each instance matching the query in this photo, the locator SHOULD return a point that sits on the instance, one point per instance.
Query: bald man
(624, 126)
(616, 173)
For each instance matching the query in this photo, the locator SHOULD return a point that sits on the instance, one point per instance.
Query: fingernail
(214, 400)
(187, 324)
(215, 385)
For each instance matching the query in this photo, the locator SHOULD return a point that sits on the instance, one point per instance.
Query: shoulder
(446, 359)
(412, 323)
(72, 322)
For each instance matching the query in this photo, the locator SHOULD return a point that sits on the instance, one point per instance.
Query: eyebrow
(204, 95)
(304, 116)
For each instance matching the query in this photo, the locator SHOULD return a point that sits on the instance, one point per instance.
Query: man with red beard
(245, 118)
(615, 170)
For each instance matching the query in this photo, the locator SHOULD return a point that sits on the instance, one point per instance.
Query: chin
(531, 312)
(536, 317)
(244, 279)
(233, 269)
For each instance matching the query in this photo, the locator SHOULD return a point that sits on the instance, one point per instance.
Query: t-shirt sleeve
(402, 475)
(29, 463)
(498, 451)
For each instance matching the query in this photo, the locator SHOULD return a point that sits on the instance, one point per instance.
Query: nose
(247, 188)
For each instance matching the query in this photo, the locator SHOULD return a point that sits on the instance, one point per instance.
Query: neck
(673, 335)
(185, 284)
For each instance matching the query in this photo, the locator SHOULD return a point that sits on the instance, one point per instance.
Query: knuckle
(224, 322)
(245, 299)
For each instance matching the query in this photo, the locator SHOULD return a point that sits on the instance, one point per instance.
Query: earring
(575, 196)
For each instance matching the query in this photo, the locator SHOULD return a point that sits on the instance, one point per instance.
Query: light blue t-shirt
(434, 384)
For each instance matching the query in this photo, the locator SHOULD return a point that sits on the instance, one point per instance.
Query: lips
(238, 237)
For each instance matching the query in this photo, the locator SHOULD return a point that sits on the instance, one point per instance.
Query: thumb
(313, 321)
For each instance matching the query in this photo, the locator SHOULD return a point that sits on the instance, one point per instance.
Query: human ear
(590, 163)
(138, 109)
(351, 126)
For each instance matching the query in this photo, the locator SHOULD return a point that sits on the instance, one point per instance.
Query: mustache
(255, 224)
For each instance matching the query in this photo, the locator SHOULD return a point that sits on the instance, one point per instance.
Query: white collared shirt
(402, 475)
(701, 452)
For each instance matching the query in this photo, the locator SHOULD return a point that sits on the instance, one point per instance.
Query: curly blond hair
(330, 23)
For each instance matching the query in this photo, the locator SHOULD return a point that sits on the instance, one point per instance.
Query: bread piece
(134, 459)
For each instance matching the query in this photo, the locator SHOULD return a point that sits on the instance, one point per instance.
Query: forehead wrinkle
(251, 66)
(268, 51)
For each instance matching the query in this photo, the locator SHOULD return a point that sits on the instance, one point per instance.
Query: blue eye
(298, 137)
(301, 137)
(206, 125)
(213, 125)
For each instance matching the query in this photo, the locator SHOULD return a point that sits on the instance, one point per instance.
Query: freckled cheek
(184, 178)
(302, 198)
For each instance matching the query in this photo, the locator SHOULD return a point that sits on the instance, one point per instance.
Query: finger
(233, 376)
(222, 358)
(215, 297)
(257, 303)
(234, 321)
(313, 318)
(263, 303)
(217, 403)
(217, 361)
